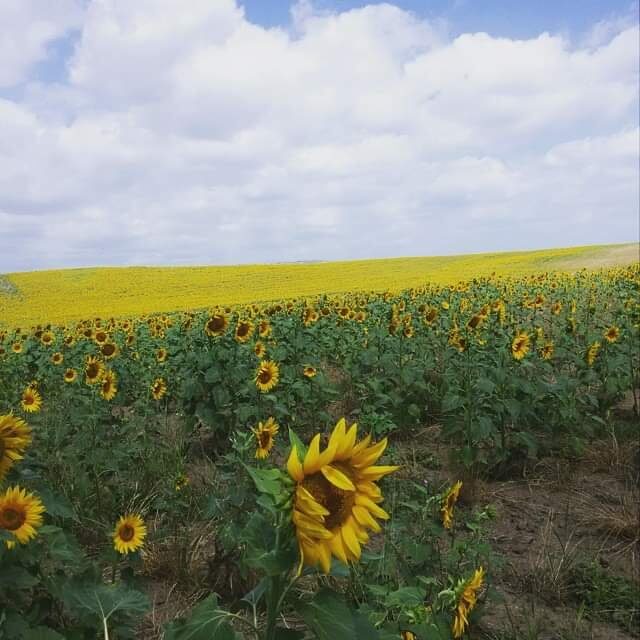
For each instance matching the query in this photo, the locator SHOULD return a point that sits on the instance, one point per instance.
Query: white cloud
(198, 137)
(27, 27)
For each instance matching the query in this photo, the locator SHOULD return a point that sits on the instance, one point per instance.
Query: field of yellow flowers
(73, 294)
(250, 453)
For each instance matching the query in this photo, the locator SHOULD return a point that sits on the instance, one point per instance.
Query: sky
(274, 131)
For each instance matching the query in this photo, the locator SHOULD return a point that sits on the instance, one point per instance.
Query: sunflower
(265, 436)
(520, 345)
(244, 330)
(109, 350)
(467, 599)
(309, 371)
(57, 358)
(161, 354)
(16, 347)
(47, 338)
(20, 513)
(216, 325)
(592, 353)
(264, 328)
(69, 340)
(612, 334)
(15, 437)
(408, 635)
(448, 503)
(129, 533)
(109, 385)
(259, 349)
(158, 388)
(31, 400)
(336, 498)
(70, 375)
(547, 351)
(94, 370)
(267, 376)
(100, 336)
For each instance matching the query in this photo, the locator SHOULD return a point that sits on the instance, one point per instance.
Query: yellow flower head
(267, 376)
(216, 325)
(158, 388)
(31, 400)
(309, 371)
(592, 353)
(20, 513)
(15, 437)
(448, 503)
(520, 345)
(93, 369)
(129, 533)
(466, 602)
(612, 334)
(265, 436)
(244, 330)
(109, 385)
(336, 499)
(70, 376)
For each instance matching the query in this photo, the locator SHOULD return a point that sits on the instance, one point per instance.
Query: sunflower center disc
(126, 533)
(3, 447)
(336, 501)
(264, 376)
(265, 439)
(11, 519)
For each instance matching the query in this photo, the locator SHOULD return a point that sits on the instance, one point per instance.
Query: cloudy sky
(218, 132)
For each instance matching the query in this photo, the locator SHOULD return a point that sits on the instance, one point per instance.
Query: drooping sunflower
(267, 375)
(336, 498)
(20, 513)
(265, 435)
(158, 388)
(57, 358)
(448, 503)
(467, 598)
(592, 353)
(612, 334)
(15, 437)
(31, 400)
(70, 375)
(129, 533)
(93, 369)
(109, 385)
(520, 345)
(309, 371)
(244, 330)
(161, 354)
(216, 325)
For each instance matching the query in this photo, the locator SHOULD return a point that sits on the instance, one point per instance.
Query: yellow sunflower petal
(337, 478)
(293, 465)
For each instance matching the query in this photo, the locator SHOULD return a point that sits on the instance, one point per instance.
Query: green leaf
(267, 480)
(329, 618)
(300, 448)
(206, 622)
(16, 578)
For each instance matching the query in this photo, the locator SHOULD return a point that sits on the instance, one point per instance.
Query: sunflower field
(254, 456)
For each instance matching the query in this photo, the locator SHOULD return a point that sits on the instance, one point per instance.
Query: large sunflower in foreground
(265, 435)
(15, 437)
(267, 375)
(129, 533)
(336, 498)
(466, 602)
(20, 513)
(31, 400)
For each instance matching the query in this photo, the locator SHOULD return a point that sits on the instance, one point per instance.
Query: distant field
(70, 294)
